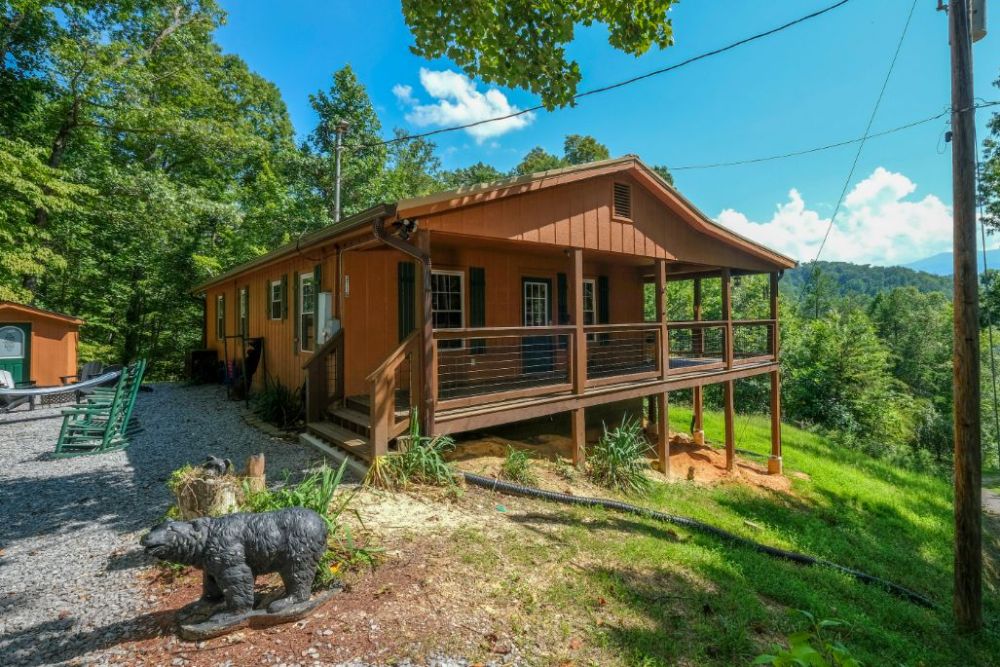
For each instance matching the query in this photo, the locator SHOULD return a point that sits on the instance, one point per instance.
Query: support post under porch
(425, 311)
(698, 432)
(663, 433)
(729, 409)
(774, 464)
(579, 430)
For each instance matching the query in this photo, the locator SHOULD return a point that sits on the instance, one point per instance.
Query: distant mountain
(941, 263)
(867, 280)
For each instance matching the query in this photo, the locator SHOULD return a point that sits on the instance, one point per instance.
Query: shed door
(15, 350)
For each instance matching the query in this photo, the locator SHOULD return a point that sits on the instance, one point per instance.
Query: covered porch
(510, 331)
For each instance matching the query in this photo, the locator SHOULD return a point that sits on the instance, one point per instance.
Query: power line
(871, 120)
(824, 147)
(613, 86)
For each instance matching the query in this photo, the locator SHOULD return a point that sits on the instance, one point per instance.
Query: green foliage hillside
(846, 279)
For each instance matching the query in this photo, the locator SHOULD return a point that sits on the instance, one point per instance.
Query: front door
(15, 350)
(537, 352)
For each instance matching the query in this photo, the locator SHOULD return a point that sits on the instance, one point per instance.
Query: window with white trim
(307, 312)
(220, 316)
(245, 311)
(448, 303)
(276, 299)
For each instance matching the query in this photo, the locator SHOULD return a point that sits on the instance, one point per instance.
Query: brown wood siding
(579, 215)
(280, 361)
(53, 345)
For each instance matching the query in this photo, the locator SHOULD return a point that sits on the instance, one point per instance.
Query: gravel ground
(69, 528)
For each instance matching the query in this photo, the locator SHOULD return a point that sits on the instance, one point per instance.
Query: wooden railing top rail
(632, 326)
(707, 324)
(323, 349)
(395, 358)
(497, 332)
(748, 323)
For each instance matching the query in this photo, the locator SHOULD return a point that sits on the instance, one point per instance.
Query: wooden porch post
(663, 432)
(579, 436)
(727, 315)
(579, 430)
(730, 410)
(426, 323)
(774, 463)
(698, 433)
(662, 399)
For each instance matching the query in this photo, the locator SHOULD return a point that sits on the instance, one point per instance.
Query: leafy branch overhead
(522, 43)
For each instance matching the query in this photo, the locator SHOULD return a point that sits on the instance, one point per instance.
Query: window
(244, 311)
(277, 296)
(590, 305)
(220, 316)
(307, 312)
(448, 302)
(623, 201)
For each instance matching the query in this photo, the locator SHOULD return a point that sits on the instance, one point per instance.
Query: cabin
(37, 346)
(502, 302)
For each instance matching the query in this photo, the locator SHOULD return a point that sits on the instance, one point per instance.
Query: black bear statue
(232, 550)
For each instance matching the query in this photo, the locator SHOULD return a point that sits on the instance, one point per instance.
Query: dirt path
(991, 499)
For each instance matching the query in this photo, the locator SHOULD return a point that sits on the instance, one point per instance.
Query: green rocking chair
(104, 422)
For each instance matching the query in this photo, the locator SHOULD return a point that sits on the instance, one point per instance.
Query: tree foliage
(522, 43)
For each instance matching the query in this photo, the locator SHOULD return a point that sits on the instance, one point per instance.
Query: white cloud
(879, 223)
(459, 102)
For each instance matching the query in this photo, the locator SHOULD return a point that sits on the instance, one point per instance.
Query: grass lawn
(643, 593)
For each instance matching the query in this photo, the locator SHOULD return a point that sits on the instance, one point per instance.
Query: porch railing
(487, 365)
(483, 365)
(325, 377)
(753, 341)
(697, 345)
(393, 388)
(622, 351)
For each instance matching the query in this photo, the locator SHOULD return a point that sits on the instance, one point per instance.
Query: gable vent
(623, 201)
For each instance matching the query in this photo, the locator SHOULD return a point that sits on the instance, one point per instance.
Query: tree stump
(254, 473)
(201, 495)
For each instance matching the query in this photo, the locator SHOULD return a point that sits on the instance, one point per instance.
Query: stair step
(343, 438)
(352, 416)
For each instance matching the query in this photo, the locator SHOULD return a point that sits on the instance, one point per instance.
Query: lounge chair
(104, 422)
(10, 401)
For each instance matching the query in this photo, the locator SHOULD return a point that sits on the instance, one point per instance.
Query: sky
(811, 85)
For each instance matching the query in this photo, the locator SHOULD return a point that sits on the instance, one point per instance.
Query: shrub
(619, 460)
(279, 405)
(318, 492)
(812, 646)
(517, 467)
(420, 462)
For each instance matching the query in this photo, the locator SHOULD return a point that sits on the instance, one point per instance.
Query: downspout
(426, 413)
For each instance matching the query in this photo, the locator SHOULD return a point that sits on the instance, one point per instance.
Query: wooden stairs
(348, 426)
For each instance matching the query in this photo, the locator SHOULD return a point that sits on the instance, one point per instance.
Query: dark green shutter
(284, 296)
(406, 298)
(603, 306)
(267, 299)
(477, 305)
(295, 313)
(246, 300)
(562, 298)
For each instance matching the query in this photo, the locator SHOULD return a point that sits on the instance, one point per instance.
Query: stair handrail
(394, 359)
(381, 388)
(318, 394)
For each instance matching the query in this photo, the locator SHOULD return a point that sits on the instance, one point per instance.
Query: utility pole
(341, 130)
(967, 601)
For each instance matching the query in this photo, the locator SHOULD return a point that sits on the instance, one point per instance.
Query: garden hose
(693, 524)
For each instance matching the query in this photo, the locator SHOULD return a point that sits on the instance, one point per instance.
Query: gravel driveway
(69, 528)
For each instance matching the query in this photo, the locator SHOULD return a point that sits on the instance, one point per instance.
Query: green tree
(837, 374)
(537, 159)
(522, 43)
(581, 148)
(989, 176)
(363, 159)
(664, 173)
(475, 174)
(412, 169)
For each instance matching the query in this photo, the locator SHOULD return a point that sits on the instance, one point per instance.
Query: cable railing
(626, 350)
(478, 366)
(696, 345)
(753, 340)
(484, 365)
